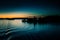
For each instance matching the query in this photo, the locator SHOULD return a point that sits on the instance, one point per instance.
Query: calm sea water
(16, 29)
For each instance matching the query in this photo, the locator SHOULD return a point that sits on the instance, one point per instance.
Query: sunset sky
(10, 9)
(16, 15)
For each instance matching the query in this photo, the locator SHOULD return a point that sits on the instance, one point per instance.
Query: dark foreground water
(18, 30)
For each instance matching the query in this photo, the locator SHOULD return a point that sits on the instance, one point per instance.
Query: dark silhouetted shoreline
(46, 19)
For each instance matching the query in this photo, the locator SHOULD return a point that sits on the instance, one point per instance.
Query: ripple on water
(16, 28)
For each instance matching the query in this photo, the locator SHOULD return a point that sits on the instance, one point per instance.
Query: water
(16, 29)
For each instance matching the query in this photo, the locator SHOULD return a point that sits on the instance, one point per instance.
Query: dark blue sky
(44, 7)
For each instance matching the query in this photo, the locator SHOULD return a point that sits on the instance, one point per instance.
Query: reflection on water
(11, 29)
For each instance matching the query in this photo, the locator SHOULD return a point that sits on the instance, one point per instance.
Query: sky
(29, 7)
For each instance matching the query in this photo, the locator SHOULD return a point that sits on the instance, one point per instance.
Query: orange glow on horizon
(14, 15)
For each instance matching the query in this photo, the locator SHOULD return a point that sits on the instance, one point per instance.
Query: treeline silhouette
(46, 19)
